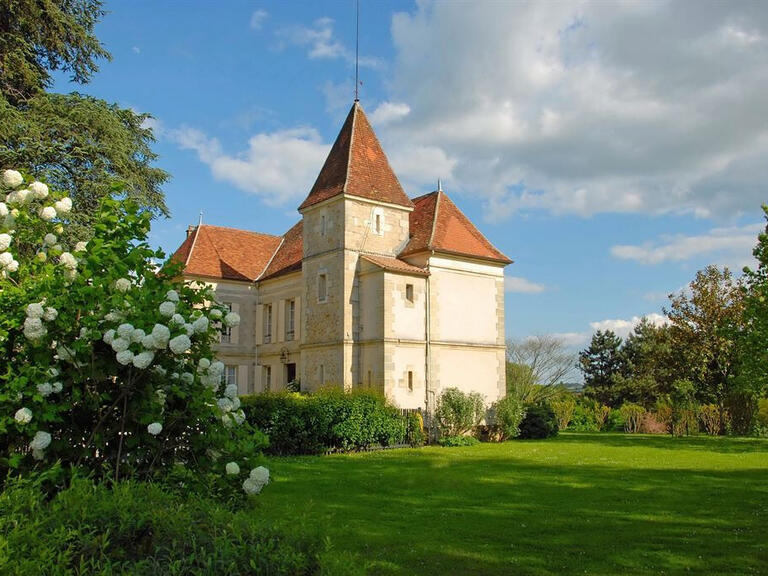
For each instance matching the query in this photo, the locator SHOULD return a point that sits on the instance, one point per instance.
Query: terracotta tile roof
(288, 256)
(394, 264)
(357, 165)
(228, 253)
(437, 224)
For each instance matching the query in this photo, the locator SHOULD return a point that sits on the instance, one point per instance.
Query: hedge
(330, 420)
(127, 529)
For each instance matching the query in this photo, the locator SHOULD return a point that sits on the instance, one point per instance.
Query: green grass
(580, 503)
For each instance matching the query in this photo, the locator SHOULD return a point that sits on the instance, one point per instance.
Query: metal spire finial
(439, 185)
(200, 221)
(357, 52)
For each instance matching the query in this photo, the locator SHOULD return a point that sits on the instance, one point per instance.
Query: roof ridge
(424, 195)
(191, 248)
(266, 266)
(431, 241)
(355, 108)
(238, 230)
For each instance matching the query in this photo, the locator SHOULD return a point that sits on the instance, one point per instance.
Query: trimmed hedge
(329, 420)
(129, 529)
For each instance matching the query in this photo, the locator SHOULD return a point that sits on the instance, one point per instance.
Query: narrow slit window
(409, 292)
(377, 224)
(322, 288)
(410, 381)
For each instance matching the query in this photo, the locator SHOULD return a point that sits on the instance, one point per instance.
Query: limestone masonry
(369, 289)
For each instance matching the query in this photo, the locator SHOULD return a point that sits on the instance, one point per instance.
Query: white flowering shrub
(107, 360)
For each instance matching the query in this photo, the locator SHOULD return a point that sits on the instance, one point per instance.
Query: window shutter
(280, 321)
(297, 320)
(242, 380)
(236, 330)
(260, 324)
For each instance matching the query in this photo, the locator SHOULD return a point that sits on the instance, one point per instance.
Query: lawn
(579, 503)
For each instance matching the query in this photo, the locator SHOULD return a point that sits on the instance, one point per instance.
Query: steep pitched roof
(394, 264)
(227, 253)
(437, 224)
(289, 254)
(357, 165)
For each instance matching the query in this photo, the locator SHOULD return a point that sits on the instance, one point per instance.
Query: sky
(610, 149)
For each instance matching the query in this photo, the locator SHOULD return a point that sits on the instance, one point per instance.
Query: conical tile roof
(357, 165)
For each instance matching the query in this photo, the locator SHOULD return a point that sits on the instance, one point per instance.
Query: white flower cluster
(257, 479)
(34, 329)
(155, 428)
(39, 443)
(18, 198)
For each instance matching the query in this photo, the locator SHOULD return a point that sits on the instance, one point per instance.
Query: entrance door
(290, 376)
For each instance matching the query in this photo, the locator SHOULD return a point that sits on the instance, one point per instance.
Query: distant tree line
(712, 353)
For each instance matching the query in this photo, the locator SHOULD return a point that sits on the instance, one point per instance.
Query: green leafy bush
(415, 435)
(633, 416)
(563, 410)
(539, 422)
(127, 529)
(509, 413)
(454, 441)
(327, 420)
(107, 362)
(583, 418)
(458, 412)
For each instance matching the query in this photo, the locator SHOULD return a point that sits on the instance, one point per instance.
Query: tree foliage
(78, 143)
(41, 36)
(704, 324)
(753, 348)
(601, 363)
(537, 367)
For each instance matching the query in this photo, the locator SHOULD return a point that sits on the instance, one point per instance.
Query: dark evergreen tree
(601, 363)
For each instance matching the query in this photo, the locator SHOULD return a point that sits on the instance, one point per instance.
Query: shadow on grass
(533, 508)
(719, 444)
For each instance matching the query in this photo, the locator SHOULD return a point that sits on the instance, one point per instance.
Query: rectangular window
(267, 323)
(290, 313)
(410, 381)
(322, 225)
(225, 336)
(230, 375)
(267, 378)
(370, 378)
(322, 288)
(409, 292)
(322, 375)
(377, 225)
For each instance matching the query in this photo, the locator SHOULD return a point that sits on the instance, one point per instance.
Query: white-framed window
(409, 292)
(267, 378)
(225, 336)
(290, 319)
(322, 287)
(267, 323)
(230, 374)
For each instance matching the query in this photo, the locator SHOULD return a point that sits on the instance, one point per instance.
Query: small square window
(409, 292)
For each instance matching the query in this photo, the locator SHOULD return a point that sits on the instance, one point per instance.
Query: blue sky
(610, 150)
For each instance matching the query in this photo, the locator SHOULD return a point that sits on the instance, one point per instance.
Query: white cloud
(279, 167)
(257, 19)
(321, 43)
(726, 245)
(388, 112)
(622, 327)
(522, 285)
(136, 49)
(573, 339)
(569, 108)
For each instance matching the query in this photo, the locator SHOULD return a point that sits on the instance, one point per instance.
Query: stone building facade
(369, 289)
